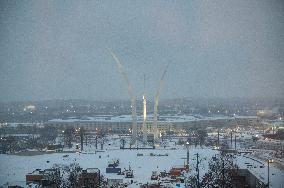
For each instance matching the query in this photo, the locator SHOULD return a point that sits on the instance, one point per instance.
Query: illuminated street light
(187, 153)
(268, 162)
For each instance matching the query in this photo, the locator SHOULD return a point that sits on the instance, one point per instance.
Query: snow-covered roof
(162, 118)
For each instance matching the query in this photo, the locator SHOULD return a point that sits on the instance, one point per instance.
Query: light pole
(81, 137)
(197, 169)
(187, 154)
(231, 138)
(268, 161)
(235, 143)
(218, 141)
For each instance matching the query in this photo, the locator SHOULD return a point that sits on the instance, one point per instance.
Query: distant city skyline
(58, 49)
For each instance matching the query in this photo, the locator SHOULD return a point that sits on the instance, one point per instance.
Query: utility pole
(197, 169)
(231, 139)
(223, 173)
(123, 143)
(218, 142)
(235, 142)
(82, 138)
(96, 142)
(268, 161)
(102, 145)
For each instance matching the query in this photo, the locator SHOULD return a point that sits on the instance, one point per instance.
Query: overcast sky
(58, 49)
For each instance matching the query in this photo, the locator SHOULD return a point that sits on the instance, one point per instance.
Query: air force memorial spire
(154, 129)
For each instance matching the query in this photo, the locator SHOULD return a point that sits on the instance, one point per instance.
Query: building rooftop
(162, 118)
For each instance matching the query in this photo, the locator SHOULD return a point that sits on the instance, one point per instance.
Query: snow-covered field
(14, 168)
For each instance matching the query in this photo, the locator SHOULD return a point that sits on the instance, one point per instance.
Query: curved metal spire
(131, 94)
(156, 101)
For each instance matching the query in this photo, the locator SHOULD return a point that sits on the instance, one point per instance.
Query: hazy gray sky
(58, 49)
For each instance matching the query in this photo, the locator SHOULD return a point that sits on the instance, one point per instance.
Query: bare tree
(218, 174)
(69, 175)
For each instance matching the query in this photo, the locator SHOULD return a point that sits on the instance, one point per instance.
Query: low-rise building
(44, 178)
(89, 178)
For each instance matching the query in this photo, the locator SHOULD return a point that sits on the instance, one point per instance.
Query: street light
(268, 161)
(187, 154)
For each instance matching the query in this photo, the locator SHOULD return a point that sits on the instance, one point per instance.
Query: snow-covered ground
(276, 175)
(14, 168)
(256, 162)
